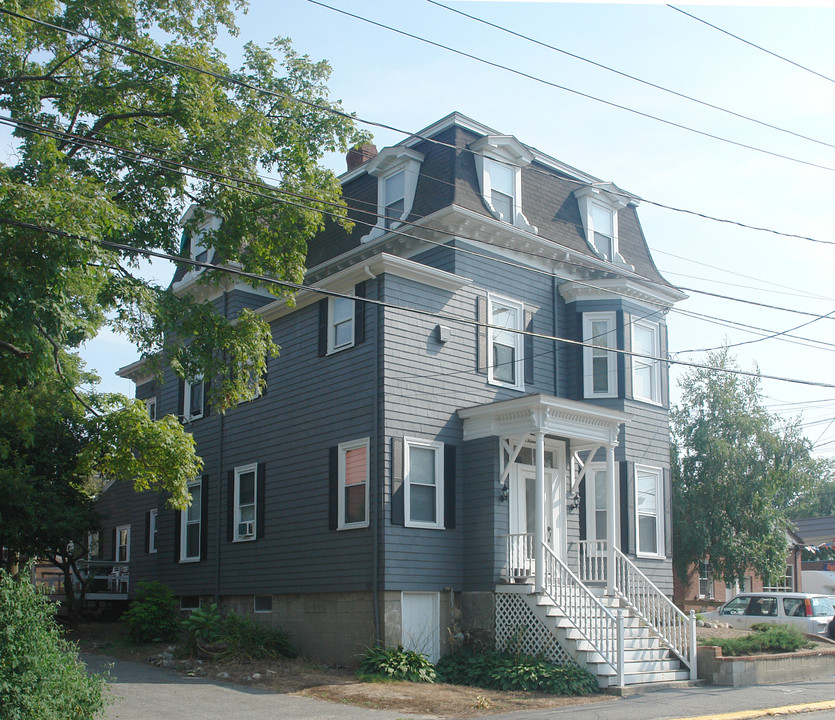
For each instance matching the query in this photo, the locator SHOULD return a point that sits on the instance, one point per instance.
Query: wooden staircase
(646, 659)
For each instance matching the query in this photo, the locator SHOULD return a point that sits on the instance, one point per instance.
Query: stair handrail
(595, 622)
(675, 629)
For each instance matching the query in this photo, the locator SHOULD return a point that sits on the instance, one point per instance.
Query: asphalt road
(145, 692)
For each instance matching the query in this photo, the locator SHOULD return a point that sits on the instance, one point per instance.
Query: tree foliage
(736, 470)
(105, 139)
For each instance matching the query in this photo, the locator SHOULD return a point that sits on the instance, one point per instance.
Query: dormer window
(599, 205)
(499, 160)
(396, 169)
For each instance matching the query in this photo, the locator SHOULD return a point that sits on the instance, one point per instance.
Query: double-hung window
(340, 323)
(151, 405)
(705, 581)
(353, 484)
(600, 371)
(646, 365)
(500, 189)
(596, 503)
(191, 524)
(152, 530)
(506, 342)
(648, 510)
(395, 199)
(122, 553)
(193, 398)
(245, 499)
(599, 205)
(423, 465)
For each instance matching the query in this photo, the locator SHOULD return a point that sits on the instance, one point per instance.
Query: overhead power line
(120, 247)
(573, 91)
(372, 123)
(255, 188)
(648, 83)
(752, 44)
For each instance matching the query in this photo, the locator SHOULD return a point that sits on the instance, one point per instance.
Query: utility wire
(219, 177)
(648, 83)
(565, 88)
(754, 45)
(286, 284)
(372, 123)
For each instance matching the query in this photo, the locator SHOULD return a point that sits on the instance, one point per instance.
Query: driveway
(145, 692)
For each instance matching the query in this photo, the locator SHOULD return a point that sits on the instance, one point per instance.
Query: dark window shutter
(667, 509)
(582, 509)
(528, 345)
(178, 527)
(359, 314)
(207, 385)
(261, 490)
(230, 506)
(449, 486)
(204, 517)
(482, 360)
(398, 505)
(627, 358)
(627, 507)
(333, 487)
(265, 378)
(147, 531)
(323, 327)
(115, 545)
(181, 399)
(665, 368)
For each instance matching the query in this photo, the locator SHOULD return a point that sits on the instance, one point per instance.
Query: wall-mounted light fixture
(574, 502)
(504, 493)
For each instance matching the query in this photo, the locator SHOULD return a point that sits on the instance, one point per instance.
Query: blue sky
(404, 83)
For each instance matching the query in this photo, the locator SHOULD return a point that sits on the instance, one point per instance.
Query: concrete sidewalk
(145, 692)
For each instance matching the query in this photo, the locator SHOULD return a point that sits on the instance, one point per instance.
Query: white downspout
(539, 526)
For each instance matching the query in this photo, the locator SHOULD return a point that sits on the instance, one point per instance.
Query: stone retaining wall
(764, 669)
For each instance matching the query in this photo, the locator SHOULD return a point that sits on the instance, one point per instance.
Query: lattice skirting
(518, 629)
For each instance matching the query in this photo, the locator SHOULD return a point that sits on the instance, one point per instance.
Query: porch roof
(577, 421)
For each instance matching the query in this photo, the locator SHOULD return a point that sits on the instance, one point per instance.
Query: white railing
(598, 626)
(591, 561)
(520, 556)
(673, 627)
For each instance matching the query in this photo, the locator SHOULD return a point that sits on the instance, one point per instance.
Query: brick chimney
(360, 154)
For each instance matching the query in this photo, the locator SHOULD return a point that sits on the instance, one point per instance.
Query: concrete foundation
(764, 669)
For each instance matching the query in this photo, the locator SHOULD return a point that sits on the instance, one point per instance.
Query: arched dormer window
(599, 205)
(499, 160)
(396, 169)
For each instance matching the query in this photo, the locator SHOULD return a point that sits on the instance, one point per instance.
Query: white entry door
(421, 623)
(522, 506)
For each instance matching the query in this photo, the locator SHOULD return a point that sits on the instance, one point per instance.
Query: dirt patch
(311, 679)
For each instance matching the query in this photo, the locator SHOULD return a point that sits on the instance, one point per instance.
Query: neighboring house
(703, 591)
(427, 457)
(818, 533)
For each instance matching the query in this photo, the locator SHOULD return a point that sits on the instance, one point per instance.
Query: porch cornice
(577, 421)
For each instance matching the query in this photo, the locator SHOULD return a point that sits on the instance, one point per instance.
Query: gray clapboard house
(471, 438)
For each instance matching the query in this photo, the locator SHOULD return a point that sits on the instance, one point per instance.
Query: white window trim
(119, 529)
(184, 527)
(588, 354)
(659, 512)
(438, 448)
(518, 339)
(654, 365)
(343, 450)
(332, 346)
(384, 165)
(236, 515)
(187, 385)
(591, 506)
(508, 151)
(152, 531)
(592, 195)
(151, 403)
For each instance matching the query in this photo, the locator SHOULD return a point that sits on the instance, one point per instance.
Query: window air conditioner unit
(246, 529)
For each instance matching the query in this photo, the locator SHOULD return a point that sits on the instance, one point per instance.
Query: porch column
(539, 526)
(610, 519)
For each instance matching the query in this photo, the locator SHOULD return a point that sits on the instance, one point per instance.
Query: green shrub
(40, 673)
(767, 638)
(503, 671)
(397, 664)
(153, 614)
(236, 637)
